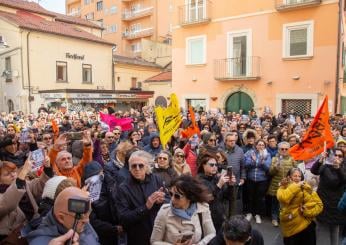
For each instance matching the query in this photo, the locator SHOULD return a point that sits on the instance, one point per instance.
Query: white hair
(141, 154)
(60, 155)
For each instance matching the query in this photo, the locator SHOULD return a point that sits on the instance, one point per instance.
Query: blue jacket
(137, 220)
(342, 203)
(235, 158)
(150, 149)
(257, 169)
(51, 228)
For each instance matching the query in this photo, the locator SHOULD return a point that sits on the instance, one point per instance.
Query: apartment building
(232, 55)
(128, 22)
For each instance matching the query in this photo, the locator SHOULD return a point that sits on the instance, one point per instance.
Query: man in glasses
(280, 166)
(59, 220)
(139, 199)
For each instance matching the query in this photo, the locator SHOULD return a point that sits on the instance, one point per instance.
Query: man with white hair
(62, 160)
(139, 199)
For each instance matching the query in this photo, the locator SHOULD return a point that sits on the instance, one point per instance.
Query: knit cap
(51, 186)
(92, 168)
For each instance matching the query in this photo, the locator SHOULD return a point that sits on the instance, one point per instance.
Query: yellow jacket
(299, 204)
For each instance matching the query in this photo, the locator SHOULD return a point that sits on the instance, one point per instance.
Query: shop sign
(92, 96)
(74, 56)
(52, 95)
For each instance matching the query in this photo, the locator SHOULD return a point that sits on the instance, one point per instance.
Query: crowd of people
(69, 177)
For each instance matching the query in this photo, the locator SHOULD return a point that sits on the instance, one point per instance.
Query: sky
(53, 5)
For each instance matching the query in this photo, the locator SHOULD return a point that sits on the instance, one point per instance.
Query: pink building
(285, 54)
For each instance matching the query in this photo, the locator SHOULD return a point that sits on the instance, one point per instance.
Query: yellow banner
(168, 119)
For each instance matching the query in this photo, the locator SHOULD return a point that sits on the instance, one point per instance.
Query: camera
(229, 171)
(78, 205)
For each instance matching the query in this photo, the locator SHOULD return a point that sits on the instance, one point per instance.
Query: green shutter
(239, 100)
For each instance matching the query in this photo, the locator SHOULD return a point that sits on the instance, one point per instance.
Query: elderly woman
(18, 196)
(180, 165)
(164, 168)
(257, 163)
(186, 220)
(299, 205)
(280, 165)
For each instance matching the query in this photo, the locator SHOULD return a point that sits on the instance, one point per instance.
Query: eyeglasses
(212, 164)
(116, 133)
(339, 155)
(284, 149)
(179, 155)
(137, 166)
(212, 140)
(162, 158)
(176, 195)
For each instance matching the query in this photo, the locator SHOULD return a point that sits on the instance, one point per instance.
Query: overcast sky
(53, 5)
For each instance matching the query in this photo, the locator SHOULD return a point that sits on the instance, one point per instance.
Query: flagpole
(325, 151)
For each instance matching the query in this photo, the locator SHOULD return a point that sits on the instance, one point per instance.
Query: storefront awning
(93, 101)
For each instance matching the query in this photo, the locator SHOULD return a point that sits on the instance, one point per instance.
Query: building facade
(56, 60)
(127, 22)
(247, 55)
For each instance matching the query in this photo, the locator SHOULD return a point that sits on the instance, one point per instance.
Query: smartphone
(75, 135)
(230, 171)
(37, 157)
(186, 237)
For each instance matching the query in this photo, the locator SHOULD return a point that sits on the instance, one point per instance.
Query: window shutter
(298, 42)
(196, 51)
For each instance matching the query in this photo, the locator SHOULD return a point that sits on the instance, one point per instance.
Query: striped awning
(93, 101)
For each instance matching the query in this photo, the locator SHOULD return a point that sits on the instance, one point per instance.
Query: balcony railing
(130, 35)
(284, 5)
(242, 68)
(196, 13)
(138, 13)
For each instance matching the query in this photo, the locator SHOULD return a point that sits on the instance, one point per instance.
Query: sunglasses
(137, 166)
(284, 149)
(116, 133)
(338, 155)
(211, 164)
(162, 158)
(182, 156)
(176, 195)
(212, 140)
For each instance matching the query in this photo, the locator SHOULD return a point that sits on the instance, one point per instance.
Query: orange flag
(193, 128)
(318, 133)
(55, 129)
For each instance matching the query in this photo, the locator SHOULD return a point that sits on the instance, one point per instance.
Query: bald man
(59, 220)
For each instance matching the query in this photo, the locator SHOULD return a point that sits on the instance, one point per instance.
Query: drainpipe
(338, 59)
(28, 64)
(113, 78)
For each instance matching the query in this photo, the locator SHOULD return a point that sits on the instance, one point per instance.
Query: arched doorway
(239, 100)
(10, 105)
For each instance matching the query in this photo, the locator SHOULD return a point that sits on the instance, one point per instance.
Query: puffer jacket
(292, 198)
(278, 170)
(257, 170)
(169, 228)
(150, 148)
(166, 175)
(191, 158)
(330, 188)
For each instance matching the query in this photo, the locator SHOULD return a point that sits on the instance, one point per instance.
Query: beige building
(128, 22)
(57, 60)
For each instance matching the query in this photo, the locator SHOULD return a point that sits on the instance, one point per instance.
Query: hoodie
(150, 148)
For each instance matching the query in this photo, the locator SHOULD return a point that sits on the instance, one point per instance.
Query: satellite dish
(161, 101)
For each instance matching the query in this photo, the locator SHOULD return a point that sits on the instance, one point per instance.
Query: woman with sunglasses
(280, 165)
(186, 219)
(220, 187)
(331, 186)
(180, 165)
(299, 205)
(257, 163)
(164, 167)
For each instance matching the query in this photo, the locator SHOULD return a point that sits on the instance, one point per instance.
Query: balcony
(286, 5)
(129, 15)
(130, 35)
(197, 13)
(242, 68)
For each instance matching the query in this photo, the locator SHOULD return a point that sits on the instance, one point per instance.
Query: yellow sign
(168, 119)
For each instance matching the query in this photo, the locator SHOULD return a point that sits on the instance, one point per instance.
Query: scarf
(185, 214)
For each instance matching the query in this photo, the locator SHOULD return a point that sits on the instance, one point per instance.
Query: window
(139, 85)
(8, 69)
(113, 28)
(133, 82)
(100, 22)
(136, 47)
(196, 50)
(298, 39)
(113, 9)
(86, 2)
(99, 6)
(61, 71)
(87, 73)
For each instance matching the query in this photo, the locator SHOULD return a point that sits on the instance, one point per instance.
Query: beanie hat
(51, 186)
(92, 168)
